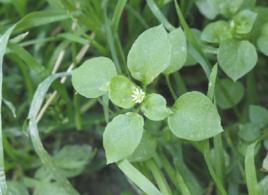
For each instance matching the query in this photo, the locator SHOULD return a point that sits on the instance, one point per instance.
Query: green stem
(174, 175)
(211, 170)
(160, 179)
(77, 113)
(174, 96)
(180, 83)
(158, 14)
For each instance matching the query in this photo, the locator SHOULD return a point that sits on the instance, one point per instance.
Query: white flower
(138, 95)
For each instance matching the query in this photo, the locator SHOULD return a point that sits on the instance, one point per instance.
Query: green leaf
(91, 79)
(207, 8)
(212, 82)
(262, 41)
(3, 45)
(263, 44)
(155, 108)
(216, 32)
(227, 7)
(149, 55)
(244, 21)
(195, 117)
(138, 178)
(124, 93)
(146, 148)
(178, 51)
(249, 132)
(71, 159)
(263, 186)
(35, 19)
(237, 58)
(265, 163)
(228, 93)
(258, 115)
(250, 170)
(33, 130)
(122, 136)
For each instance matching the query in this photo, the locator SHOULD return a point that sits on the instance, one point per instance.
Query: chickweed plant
(155, 97)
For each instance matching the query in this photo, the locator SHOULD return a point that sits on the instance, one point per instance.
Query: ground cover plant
(133, 97)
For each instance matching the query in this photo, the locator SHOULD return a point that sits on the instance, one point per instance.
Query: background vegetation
(47, 37)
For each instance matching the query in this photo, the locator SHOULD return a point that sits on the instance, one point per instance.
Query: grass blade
(138, 178)
(250, 170)
(194, 46)
(35, 19)
(3, 44)
(158, 14)
(46, 159)
(118, 13)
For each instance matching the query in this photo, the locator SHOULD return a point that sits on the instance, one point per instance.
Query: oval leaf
(149, 55)
(216, 32)
(244, 21)
(237, 58)
(228, 93)
(262, 41)
(122, 136)
(145, 150)
(92, 77)
(124, 93)
(178, 51)
(195, 118)
(154, 107)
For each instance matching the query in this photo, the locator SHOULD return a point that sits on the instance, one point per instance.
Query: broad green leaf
(155, 108)
(262, 41)
(124, 93)
(122, 136)
(195, 117)
(263, 44)
(216, 32)
(258, 115)
(145, 150)
(178, 51)
(91, 79)
(237, 58)
(265, 163)
(228, 93)
(244, 21)
(207, 8)
(227, 7)
(149, 55)
(249, 132)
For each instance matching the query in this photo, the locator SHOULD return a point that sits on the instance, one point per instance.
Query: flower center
(138, 95)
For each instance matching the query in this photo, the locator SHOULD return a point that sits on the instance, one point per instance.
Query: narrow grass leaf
(250, 170)
(138, 178)
(3, 44)
(45, 158)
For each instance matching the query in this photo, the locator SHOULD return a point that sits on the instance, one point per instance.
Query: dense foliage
(134, 97)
